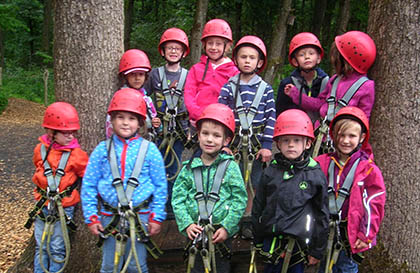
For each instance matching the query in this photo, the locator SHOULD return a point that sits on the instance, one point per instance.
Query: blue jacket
(266, 114)
(98, 178)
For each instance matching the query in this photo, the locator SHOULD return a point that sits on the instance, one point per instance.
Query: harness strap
(324, 83)
(336, 202)
(54, 180)
(206, 202)
(335, 105)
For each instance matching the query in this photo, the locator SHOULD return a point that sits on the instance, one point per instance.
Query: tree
(199, 21)
(275, 53)
(395, 123)
(344, 17)
(46, 28)
(87, 47)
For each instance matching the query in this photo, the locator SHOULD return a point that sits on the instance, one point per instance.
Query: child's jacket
(364, 97)
(284, 102)
(98, 178)
(233, 197)
(266, 114)
(285, 196)
(199, 93)
(74, 169)
(364, 209)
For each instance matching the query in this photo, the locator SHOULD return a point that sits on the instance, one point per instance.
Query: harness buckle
(60, 172)
(116, 182)
(48, 172)
(344, 192)
(243, 131)
(132, 181)
(330, 99)
(213, 196)
(342, 103)
(172, 112)
(199, 196)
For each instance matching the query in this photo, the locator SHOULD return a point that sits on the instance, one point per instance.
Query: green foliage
(27, 84)
(3, 101)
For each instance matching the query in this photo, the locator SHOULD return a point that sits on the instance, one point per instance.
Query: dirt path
(19, 130)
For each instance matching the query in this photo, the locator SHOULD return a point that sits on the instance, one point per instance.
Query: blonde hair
(344, 124)
(341, 66)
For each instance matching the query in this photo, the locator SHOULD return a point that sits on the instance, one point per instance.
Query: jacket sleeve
(182, 186)
(367, 98)
(81, 162)
(258, 207)
(283, 102)
(270, 119)
(311, 103)
(39, 168)
(320, 203)
(190, 94)
(89, 192)
(226, 96)
(158, 177)
(233, 179)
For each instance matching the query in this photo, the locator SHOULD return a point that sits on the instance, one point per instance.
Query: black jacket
(291, 197)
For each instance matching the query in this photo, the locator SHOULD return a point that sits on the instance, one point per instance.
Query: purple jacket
(364, 97)
(198, 93)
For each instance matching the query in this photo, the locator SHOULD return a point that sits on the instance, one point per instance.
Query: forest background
(26, 33)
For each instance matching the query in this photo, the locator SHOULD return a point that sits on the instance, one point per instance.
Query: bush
(3, 101)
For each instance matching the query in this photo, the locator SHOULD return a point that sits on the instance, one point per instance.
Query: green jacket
(233, 197)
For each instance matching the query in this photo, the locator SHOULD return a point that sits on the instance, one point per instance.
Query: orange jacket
(74, 169)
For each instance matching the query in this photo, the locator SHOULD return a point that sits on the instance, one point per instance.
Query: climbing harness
(203, 243)
(55, 209)
(126, 222)
(252, 263)
(337, 239)
(247, 144)
(334, 105)
(172, 127)
(299, 85)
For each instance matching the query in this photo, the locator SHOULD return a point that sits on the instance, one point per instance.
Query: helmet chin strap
(307, 70)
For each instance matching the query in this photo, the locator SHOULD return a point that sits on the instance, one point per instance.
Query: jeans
(57, 248)
(108, 251)
(344, 264)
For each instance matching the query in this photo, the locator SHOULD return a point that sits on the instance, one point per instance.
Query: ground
(20, 128)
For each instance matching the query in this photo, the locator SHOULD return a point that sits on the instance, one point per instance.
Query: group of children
(297, 210)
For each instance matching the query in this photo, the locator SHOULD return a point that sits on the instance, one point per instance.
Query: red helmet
(255, 42)
(134, 60)
(174, 35)
(358, 49)
(355, 113)
(129, 100)
(294, 122)
(304, 39)
(217, 27)
(61, 116)
(220, 113)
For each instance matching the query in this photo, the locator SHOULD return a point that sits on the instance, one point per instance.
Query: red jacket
(367, 198)
(198, 93)
(74, 169)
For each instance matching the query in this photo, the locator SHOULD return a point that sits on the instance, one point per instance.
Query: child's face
(349, 138)
(125, 124)
(62, 137)
(136, 79)
(173, 51)
(211, 137)
(292, 146)
(306, 58)
(248, 59)
(215, 47)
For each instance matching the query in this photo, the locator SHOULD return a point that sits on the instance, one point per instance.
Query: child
(59, 163)
(252, 100)
(209, 195)
(125, 177)
(356, 192)
(214, 69)
(305, 53)
(290, 211)
(133, 71)
(352, 54)
(166, 83)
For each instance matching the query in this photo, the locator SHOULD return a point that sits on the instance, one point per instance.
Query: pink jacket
(366, 202)
(364, 97)
(198, 93)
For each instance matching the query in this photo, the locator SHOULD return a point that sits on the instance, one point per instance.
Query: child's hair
(139, 117)
(216, 28)
(226, 130)
(218, 114)
(341, 66)
(344, 124)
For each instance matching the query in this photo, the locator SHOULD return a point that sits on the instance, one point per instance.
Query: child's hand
(154, 228)
(312, 260)
(360, 244)
(220, 235)
(265, 155)
(227, 150)
(193, 231)
(96, 228)
(156, 122)
(288, 88)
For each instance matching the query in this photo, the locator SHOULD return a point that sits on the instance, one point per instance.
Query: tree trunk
(128, 22)
(344, 17)
(395, 122)
(199, 21)
(275, 56)
(46, 28)
(318, 17)
(87, 48)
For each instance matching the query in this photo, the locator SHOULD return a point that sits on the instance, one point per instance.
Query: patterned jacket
(233, 197)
